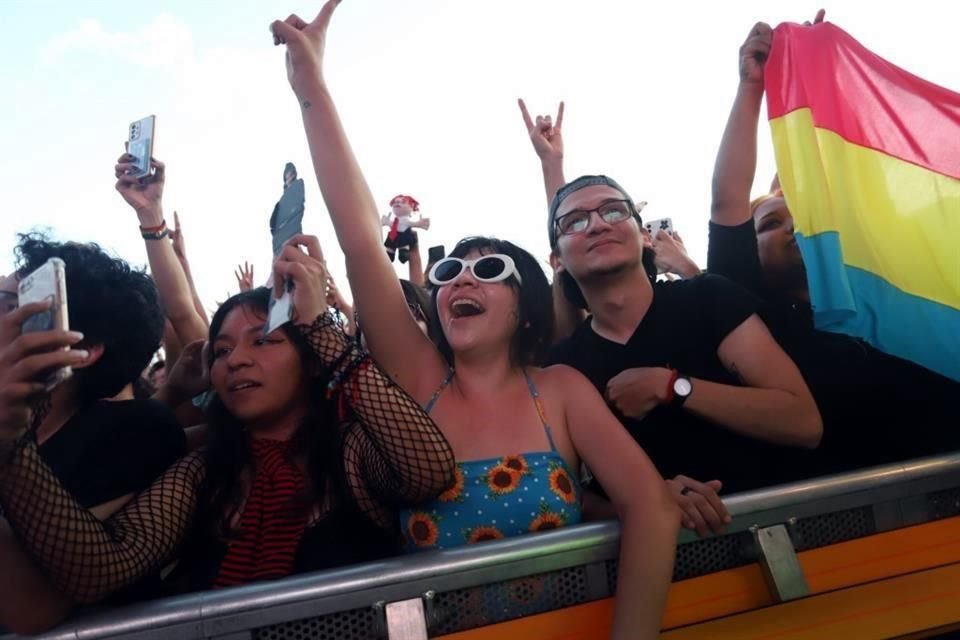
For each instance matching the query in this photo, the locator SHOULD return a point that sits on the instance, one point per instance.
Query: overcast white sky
(428, 91)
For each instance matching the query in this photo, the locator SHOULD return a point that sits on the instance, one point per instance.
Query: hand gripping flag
(869, 160)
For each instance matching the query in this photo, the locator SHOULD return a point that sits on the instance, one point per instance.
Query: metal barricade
(437, 593)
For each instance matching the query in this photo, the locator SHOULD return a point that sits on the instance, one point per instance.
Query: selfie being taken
(678, 373)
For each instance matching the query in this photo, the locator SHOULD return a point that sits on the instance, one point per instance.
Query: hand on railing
(703, 510)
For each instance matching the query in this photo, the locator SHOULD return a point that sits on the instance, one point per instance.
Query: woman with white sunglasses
(519, 433)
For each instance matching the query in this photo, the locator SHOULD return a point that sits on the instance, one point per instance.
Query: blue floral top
(497, 497)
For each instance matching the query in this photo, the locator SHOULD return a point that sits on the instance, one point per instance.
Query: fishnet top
(394, 455)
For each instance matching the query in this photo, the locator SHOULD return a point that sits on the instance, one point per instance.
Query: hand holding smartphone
(48, 282)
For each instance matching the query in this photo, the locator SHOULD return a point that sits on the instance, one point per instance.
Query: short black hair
(110, 302)
(535, 309)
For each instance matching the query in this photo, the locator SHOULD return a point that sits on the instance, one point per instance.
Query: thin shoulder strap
(540, 410)
(436, 394)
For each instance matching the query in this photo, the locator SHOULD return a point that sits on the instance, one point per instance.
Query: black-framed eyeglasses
(611, 212)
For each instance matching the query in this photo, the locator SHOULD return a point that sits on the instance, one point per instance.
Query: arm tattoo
(306, 104)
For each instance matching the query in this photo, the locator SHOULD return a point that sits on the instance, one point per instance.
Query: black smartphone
(435, 254)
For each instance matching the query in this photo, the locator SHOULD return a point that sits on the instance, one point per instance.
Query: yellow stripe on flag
(895, 219)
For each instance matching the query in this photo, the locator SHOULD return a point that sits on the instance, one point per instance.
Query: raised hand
(144, 194)
(821, 14)
(307, 272)
(305, 44)
(335, 299)
(189, 376)
(176, 237)
(670, 255)
(244, 275)
(754, 52)
(545, 134)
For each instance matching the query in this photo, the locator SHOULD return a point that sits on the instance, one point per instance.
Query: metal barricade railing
(450, 591)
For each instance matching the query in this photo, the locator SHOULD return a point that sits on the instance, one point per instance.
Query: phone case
(662, 224)
(49, 282)
(140, 144)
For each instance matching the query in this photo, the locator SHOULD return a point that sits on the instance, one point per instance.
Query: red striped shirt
(273, 520)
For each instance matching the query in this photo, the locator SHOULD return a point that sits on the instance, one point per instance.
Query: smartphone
(662, 224)
(436, 254)
(48, 282)
(281, 309)
(140, 144)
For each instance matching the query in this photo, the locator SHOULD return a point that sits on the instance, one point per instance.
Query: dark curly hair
(110, 302)
(535, 309)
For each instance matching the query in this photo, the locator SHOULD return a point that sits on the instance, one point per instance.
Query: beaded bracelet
(158, 232)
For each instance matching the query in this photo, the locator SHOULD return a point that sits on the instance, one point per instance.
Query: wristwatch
(682, 388)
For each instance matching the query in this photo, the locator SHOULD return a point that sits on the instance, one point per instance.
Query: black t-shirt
(876, 408)
(110, 449)
(683, 328)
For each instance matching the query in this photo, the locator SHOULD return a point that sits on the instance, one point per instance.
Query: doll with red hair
(402, 222)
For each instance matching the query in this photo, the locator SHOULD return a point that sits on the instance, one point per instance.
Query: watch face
(682, 387)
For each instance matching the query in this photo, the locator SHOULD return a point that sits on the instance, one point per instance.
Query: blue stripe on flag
(850, 300)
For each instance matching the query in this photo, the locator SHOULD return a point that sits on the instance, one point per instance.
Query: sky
(427, 90)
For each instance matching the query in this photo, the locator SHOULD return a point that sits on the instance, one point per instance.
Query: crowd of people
(475, 401)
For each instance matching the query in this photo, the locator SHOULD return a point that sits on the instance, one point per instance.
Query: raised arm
(393, 337)
(737, 158)
(180, 249)
(547, 139)
(649, 517)
(145, 196)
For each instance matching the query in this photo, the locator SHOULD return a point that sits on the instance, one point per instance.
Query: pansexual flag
(869, 160)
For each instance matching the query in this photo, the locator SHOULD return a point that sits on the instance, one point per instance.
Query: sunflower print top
(497, 498)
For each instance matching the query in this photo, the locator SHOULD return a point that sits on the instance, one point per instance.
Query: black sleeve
(111, 449)
(732, 253)
(145, 441)
(724, 305)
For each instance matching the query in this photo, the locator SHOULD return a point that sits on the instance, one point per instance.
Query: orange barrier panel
(884, 609)
(735, 591)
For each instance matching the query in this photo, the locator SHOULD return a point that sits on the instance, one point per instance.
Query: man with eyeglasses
(689, 367)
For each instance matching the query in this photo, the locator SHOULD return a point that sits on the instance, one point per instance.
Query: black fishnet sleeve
(393, 452)
(85, 558)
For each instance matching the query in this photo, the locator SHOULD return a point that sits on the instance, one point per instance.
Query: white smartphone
(140, 144)
(281, 310)
(661, 224)
(48, 282)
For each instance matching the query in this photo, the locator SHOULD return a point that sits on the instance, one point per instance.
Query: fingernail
(728, 519)
(80, 354)
(74, 336)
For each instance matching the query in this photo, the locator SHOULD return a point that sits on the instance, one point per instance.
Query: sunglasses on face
(578, 220)
(495, 267)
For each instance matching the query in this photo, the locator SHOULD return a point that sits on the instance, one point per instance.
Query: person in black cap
(688, 367)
